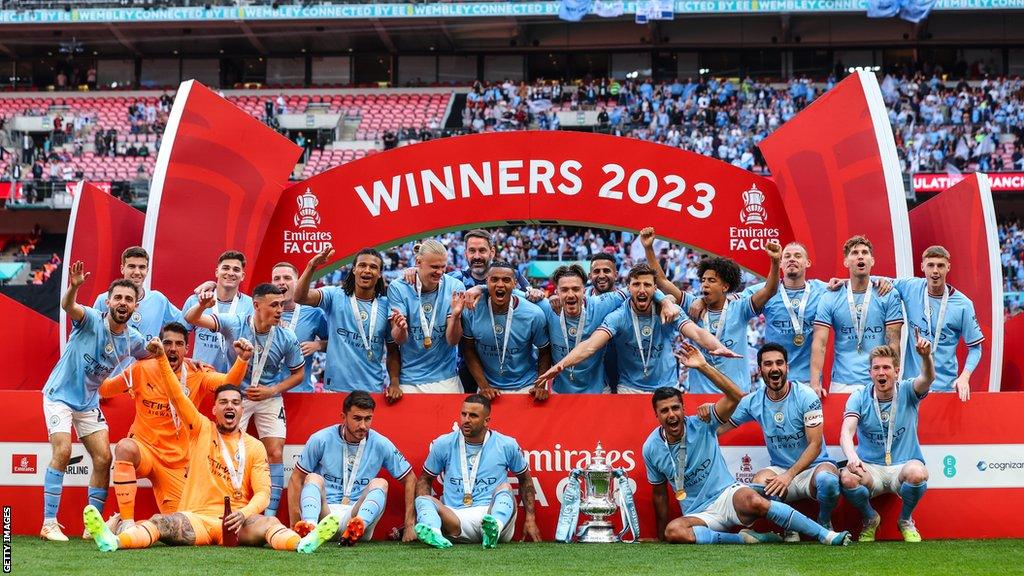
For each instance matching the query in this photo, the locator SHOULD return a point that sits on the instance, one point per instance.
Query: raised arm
(195, 316)
(647, 240)
(453, 327)
(303, 293)
(924, 380)
(76, 277)
(170, 385)
(771, 285)
(691, 357)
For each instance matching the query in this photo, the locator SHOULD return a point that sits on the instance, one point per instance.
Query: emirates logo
(307, 216)
(753, 211)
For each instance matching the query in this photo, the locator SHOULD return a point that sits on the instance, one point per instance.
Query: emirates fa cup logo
(307, 217)
(753, 210)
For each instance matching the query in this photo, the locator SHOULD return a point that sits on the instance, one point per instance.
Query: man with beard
(337, 472)
(642, 340)
(209, 346)
(154, 310)
(156, 447)
(515, 327)
(99, 345)
(308, 322)
(682, 454)
(727, 320)
(476, 502)
(887, 458)
(791, 419)
(861, 317)
(789, 314)
(358, 322)
(577, 320)
(428, 341)
(277, 367)
(479, 253)
(226, 464)
(604, 274)
(945, 316)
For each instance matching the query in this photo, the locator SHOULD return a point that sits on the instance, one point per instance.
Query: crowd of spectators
(1011, 238)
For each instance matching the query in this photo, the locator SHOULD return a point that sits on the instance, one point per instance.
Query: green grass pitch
(957, 558)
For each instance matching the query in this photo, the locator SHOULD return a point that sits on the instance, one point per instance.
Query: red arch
(527, 177)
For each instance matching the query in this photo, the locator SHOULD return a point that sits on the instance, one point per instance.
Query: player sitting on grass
(477, 503)
(225, 462)
(683, 453)
(337, 472)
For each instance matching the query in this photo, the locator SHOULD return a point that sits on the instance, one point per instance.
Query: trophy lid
(598, 462)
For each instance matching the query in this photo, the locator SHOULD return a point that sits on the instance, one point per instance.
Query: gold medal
(369, 355)
(109, 349)
(427, 341)
(467, 499)
(345, 501)
(888, 459)
(237, 495)
(681, 494)
(798, 339)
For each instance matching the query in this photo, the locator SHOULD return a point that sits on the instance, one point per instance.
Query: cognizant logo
(1000, 466)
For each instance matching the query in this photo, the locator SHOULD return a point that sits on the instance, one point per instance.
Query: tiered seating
(321, 160)
(106, 111)
(105, 168)
(379, 112)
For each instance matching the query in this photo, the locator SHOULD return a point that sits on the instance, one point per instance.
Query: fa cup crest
(753, 210)
(307, 217)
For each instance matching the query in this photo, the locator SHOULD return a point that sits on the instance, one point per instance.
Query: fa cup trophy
(607, 490)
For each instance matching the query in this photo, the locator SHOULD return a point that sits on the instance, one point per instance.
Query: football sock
(276, 484)
(861, 500)
(125, 487)
(786, 517)
(705, 535)
(309, 502)
(911, 495)
(503, 507)
(53, 485)
(142, 535)
(282, 538)
(373, 506)
(827, 485)
(98, 497)
(426, 512)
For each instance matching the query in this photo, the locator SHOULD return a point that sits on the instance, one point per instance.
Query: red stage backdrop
(31, 346)
(836, 168)
(973, 452)
(217, 179)
(1013, 363)
(527, 177)
(963, 220)
(103, 226)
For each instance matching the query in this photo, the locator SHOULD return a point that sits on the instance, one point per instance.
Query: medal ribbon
(236, 473)
(892, 419)
(348, 478)
(428, 327)
(508, 330)
(579, 329)
(469, 478)
(639, 338)
(860, 321)
(940, 322)
(796, 318)
(259, 361)
(372, 321)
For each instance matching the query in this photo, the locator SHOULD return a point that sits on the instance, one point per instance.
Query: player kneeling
(337, 474)
(683, 452)
(224, 462)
